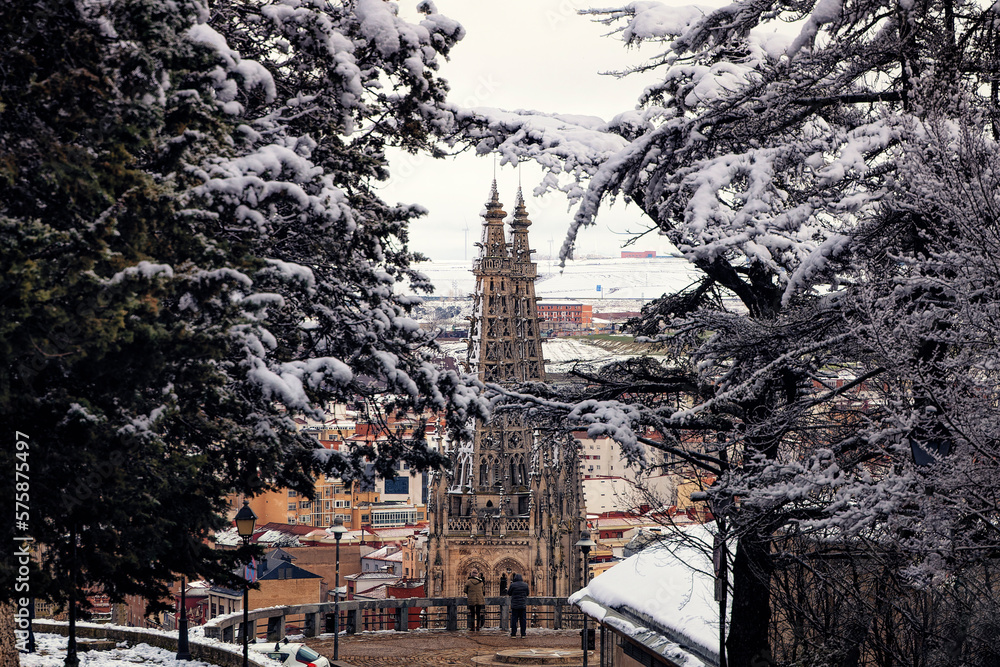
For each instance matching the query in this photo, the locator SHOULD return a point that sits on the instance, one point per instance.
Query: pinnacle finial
(520, 211)
(494, 209)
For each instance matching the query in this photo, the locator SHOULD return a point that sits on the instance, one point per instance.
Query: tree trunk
(748, 644)
(8, 648)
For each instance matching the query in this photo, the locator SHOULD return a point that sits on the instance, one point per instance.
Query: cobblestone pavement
(435, 647)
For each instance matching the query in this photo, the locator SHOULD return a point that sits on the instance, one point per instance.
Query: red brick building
(565, 315)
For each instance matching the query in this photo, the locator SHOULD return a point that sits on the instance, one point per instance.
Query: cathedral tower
(513, 501)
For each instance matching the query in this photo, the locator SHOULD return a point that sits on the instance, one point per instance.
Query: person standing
(474, 586)
(518, 593)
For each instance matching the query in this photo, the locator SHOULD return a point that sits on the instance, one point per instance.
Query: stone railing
(449, 614)
(459, 524)
(212, 653)
(488, 525)
(517, 525)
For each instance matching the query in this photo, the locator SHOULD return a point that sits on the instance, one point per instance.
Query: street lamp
(183, 651)
(71, 658)
(338, 531)
(585, 544)
(245, 520)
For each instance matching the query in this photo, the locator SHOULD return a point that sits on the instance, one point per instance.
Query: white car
(292, 655)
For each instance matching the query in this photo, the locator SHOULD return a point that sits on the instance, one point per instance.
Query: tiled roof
(287, 528)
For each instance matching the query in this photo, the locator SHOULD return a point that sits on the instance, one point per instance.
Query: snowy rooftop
(664, 597)
(389, 533)
(389, 552)
(272, 537)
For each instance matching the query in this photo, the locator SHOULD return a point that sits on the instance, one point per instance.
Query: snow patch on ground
(51, 652)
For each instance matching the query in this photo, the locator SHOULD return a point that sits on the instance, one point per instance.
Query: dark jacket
(474, 591)
(518, 593)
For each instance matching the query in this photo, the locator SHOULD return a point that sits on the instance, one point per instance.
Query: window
(394, 517)
(305, 655)
(292, 494)
(291, 506)
(399, 485)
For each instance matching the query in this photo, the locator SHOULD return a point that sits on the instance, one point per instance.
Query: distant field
(591, 280)
(612, 337)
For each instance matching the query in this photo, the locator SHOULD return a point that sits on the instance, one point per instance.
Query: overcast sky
(519, 54)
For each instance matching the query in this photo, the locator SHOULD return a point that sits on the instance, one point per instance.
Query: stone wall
(216, 654)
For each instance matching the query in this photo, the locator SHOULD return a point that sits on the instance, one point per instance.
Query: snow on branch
(233, 71)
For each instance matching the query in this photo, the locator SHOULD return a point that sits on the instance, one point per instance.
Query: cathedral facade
(512, 503)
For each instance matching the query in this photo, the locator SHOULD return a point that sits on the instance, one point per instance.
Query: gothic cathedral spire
(506, 346)
(513, 500)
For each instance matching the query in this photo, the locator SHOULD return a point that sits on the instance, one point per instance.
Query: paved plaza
(436, 647)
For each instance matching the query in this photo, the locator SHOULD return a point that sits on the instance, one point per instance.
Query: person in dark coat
(518, 593)
(474, 586)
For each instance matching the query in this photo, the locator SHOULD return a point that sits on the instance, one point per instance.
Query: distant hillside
(619, 279)
(562, 354)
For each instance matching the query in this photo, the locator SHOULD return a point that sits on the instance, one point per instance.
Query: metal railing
(401, 615)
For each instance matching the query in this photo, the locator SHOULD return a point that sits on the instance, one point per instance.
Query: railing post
(452, 617)
(352, 621)
(402, 618)
(276, 628)
(312, 624)
(505, 613)
(250, 630)
(557, 615)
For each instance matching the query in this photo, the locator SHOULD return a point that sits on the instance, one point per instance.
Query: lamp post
(183, 651)
(585, 544)
(245, 520)
(72, 660)
(338, 531)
